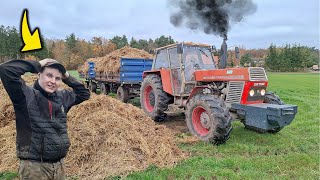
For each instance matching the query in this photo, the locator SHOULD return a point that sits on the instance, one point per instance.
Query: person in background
(41, 115)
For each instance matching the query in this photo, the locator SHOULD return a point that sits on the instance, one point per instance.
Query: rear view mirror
(214, 49)
(237, 52)
(152, 51)
(179, 48)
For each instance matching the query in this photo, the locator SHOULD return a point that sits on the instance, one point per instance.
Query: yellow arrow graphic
(31, 41)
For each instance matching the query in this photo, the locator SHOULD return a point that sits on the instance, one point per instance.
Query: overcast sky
(275, 21)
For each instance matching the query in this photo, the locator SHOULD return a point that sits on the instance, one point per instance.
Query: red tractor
(185, 74)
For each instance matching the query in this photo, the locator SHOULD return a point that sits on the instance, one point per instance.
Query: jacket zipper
(50, 109)
(42, 148)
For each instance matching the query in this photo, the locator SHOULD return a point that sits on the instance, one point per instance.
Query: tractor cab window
(198, 57)
(161, 60)
(173, 56)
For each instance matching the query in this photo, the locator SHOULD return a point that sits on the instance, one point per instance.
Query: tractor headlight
(251, 92)
(263, 92)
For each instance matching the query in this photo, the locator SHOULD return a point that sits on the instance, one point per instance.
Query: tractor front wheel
(154, 101)
(272, 98)
(208, 118)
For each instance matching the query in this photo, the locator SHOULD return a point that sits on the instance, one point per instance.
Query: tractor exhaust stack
(223, 54)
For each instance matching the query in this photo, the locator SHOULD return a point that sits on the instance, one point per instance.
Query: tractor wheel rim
(200, 121)
(149, 98)
(205, 120)
(152, 98)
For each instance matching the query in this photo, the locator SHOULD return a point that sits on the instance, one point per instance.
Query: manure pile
(108, 138)
(111, 62)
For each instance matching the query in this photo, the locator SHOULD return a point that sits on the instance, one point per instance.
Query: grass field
(293, 153)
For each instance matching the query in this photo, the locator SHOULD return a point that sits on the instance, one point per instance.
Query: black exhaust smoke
(210, 16)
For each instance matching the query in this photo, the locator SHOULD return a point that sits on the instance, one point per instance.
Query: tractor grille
(234, 91)
(257, 74)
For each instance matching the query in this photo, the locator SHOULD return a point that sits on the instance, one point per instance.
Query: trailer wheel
(154, 101)
(86, 84)
(208, 118)
(104, 89)
(272, 98)
(92, 86)
(123, 94)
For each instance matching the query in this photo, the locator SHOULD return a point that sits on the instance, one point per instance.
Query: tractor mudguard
(265, 117)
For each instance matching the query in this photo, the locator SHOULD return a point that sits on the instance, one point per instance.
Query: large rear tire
(154, 101)
(208, 118)
(123, 94)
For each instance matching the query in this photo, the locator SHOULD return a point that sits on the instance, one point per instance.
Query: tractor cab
(181, 61)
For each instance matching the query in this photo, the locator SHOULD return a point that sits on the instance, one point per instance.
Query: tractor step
(265, 117)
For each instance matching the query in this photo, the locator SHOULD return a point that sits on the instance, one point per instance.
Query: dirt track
(176, 123)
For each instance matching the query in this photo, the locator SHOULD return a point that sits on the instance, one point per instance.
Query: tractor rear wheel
(272, 98)
(154, 101)
(208, 118)
(123, 94)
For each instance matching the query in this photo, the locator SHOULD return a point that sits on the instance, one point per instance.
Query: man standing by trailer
(41, 115)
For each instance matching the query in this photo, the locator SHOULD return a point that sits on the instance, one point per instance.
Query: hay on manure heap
(112, 138)
(111, 62)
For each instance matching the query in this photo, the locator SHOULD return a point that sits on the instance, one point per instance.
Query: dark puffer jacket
(41, 118)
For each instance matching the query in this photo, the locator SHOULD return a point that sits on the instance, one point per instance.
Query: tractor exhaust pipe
(223, 54)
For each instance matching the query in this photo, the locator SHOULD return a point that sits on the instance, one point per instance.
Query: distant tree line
(291, 58)
(147, 45)
(11, 44)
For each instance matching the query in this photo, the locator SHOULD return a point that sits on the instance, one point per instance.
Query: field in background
(293, 153)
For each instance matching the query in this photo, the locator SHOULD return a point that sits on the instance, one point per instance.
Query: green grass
(8, 175)
(293, 153)
(74, 73)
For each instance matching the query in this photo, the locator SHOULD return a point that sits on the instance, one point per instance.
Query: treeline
(72, 51)
(288, 58)
(11, 44)
(248, 57)
(291, 58)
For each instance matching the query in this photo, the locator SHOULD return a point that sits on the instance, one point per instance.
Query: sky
(279, 22)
